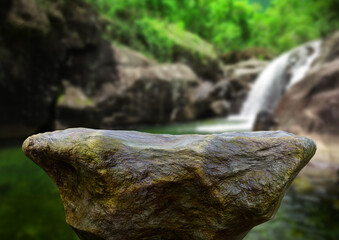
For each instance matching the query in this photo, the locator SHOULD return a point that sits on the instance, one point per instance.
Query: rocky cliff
(41, 46)
(312, 105)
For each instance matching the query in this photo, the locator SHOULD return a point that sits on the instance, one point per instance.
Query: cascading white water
(270, 86)
(265, 82)
(281, 74)
(298, 72)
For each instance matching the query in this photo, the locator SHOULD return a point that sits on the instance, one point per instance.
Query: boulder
(312, 105)
(74, 106)
(126, 57)
(329, 50)
(41, 46)
(182, 46)
(233, 91)
(233, 57)
(264, 121)
(154, 94)
(220, 108)
(245, 71)
(131, 185)
(142, 91)
(201, 99)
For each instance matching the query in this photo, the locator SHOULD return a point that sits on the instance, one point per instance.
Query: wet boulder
(201, 99)
(154, 94)
(233, 91)
(264, 121)
(312, 105)
(245, 71)
(329, 50)
(220, 108)
(132, 185)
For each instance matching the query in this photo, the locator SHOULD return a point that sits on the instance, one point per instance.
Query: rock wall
(40, 47)
(312, 105)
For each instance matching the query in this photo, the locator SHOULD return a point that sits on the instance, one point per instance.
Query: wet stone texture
(125, 185)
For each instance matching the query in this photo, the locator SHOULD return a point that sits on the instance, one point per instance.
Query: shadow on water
(30, 205)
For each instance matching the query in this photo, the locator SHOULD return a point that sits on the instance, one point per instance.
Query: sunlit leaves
(228, 24)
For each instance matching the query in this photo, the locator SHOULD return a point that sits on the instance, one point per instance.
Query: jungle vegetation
(230, 25)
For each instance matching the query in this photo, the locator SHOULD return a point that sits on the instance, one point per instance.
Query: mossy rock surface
(132, 185)
(170, 42)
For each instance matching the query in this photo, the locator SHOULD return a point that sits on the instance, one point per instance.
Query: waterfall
(278, 76)
(269, 87)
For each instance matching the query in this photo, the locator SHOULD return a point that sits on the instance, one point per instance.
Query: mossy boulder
(131, 185)
(184, 47)
(169, 43)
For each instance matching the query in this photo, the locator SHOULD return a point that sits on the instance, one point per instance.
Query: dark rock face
(153, 94)
(220, 99)
(329, 50)
(246, 54)
(233, 91)
(312, 105)
(208, 68)
(131, 185)
(264, 121)
(236, 84)
(201, 98)
(220, 108)
(245, 71)
(38, 49)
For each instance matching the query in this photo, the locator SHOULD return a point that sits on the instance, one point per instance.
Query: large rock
(329, 50)
(245, 71)
(264, 121)
(201, 99)
(233, 57)
(126, 57)
(214, 100)
(41, 46)
(220, 108)
(153, 94)
(156, 94)
(232, 90)
(131, 185)
(185, 47)
(312, 105)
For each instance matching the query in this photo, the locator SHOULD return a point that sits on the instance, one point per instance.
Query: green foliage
(227, 24)
(286, 24)
(155, 37)
(165, 40)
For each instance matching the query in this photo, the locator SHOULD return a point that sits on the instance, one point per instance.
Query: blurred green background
(227, 24)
